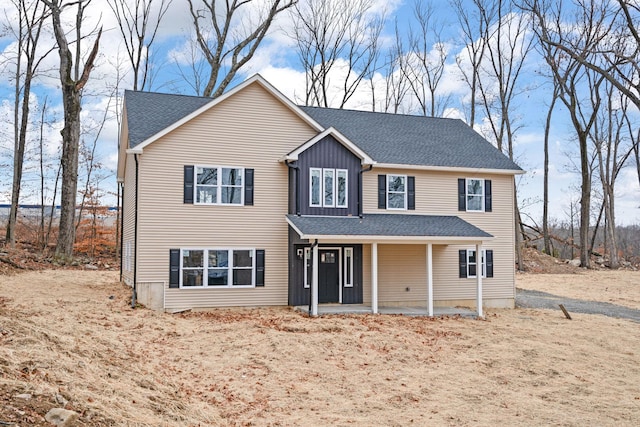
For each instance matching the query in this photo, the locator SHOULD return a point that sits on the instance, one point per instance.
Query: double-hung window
(328, 188)
(217, 185)
(469, 263)
(218, 267)
(396, 192)
(475, 194)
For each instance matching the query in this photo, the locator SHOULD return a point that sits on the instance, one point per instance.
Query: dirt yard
(69, 338)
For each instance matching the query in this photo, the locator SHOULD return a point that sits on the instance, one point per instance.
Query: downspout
(312, 272)
(296, 183)
(134, 292)
(360, 189)
(121, 213)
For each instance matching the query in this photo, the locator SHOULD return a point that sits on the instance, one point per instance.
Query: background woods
(554, 85)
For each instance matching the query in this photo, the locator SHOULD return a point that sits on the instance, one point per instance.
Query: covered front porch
(390, 229)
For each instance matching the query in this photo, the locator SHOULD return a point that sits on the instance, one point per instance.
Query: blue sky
(276, 61)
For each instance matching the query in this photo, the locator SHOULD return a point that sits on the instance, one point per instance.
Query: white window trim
(230, 267)
(348, 275)
(483, 263)
(346, 188)
(218, 186)
(307, 258)
(466, 195)
(334, 190)
(321, 194)
(405, 192)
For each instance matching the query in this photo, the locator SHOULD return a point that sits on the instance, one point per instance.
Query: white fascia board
(296, 229)
(137, 150)
(401, 240)
(257, 78)
(452, 169)
(364, 157)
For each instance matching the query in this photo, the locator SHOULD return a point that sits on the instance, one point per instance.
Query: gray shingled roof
(148, 113)
(387, 138)
(387, 225)
(413, 140)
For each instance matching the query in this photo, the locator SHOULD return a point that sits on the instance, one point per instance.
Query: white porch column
(374, 278)
(429, 279)
(479, 277)
(314, 282)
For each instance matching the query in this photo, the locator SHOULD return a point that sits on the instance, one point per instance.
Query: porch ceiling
(388, 228)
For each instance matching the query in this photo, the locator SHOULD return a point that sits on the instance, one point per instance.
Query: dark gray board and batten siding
(327, 153)
(299, 295)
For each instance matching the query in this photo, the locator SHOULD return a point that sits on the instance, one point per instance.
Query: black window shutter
(248, 187)
(259, 267)
(489, 262)
(174, 268)
(382, 191)
(462, 195)
(487, 195)
(411, 193)
(188, 184)
(462, 260)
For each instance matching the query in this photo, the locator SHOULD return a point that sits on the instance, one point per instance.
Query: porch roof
(387, 227)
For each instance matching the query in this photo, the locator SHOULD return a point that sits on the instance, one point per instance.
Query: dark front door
(329, 275)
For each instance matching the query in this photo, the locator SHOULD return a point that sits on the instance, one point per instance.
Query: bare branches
(73, 80)
(337, 43)
(138, 26)
(228, 38)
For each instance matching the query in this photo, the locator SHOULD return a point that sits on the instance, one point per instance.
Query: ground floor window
(217, 267)
(469, 263)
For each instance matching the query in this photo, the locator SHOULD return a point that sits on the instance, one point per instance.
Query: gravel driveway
(536, 299)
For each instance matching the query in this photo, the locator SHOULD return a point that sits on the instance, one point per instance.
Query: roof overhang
(331, 131)
(399, 235)
(452, 169)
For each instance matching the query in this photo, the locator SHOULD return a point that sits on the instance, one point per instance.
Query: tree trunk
(71, 141)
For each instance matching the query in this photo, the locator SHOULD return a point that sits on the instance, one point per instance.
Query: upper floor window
(328, 188)
(219, 185)
(396, 192)
(474, 195)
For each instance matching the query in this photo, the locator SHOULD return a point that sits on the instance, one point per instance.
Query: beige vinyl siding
(128, 218)
(437, 194)
(252, 130)
(401, 267)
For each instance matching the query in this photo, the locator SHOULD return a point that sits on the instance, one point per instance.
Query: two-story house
(251, 200)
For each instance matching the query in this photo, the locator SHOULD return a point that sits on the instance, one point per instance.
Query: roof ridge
(380, 112)
(167, 94)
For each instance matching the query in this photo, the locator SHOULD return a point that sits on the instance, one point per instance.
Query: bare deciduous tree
(138, 24)
(473, 27)
(73, 78)
(553, 29)
(337, 42)
(228, 34)
(425, 62)
(31, 17)
(613, 148)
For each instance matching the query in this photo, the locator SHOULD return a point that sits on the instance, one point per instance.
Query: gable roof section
(387, 226)
(149, 113)
(364, 157)
(157, 114)
(395, 139)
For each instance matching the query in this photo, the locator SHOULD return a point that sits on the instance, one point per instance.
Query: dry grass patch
(72, 333)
